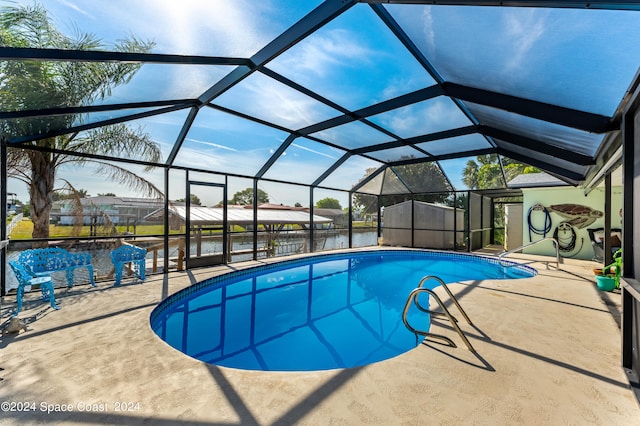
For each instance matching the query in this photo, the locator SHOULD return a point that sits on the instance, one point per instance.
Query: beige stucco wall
(553, 196)
(513, 226)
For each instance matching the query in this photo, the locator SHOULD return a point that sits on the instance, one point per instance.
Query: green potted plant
(609, 277)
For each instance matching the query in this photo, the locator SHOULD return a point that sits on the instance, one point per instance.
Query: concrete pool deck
(548, 352)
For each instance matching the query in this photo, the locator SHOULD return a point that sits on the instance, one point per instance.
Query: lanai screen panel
(221, 142)
(422, 118)
(165, 82)
(305, 159)
(350, 173)
(456, 145)
(160, 130)
(543, 54)
(353, 61)
(264, 98)
(397, 154)
(189, 27)
(353, 135)
(131, 83)
(553, 134)
(47, 126)
(372, 80)
(283, 195)
(533, 155)
(423, 177)
(374, 186)
(393, 184)
(455, 168)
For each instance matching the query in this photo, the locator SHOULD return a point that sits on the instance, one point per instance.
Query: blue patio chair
(26, 279)
(128, 253)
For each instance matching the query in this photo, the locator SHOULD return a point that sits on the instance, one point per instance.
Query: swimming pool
(316, 313)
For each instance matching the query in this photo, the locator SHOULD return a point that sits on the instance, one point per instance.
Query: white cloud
(266, 98)
(320, 54)
(425, 117)
(76, 8)
(523, 28)
(199, 159)
(427, 29)
(314, 151)
(215, 145)
(195, 27)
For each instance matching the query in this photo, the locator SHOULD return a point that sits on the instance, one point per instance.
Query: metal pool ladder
(413, 296)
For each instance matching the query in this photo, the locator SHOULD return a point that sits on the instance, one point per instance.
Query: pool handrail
(413, 296)
(446, 288)
(555, 244)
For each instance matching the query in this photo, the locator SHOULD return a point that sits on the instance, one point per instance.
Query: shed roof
(531, 180)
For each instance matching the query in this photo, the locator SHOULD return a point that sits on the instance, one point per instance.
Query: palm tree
(35, 85)
(470, 175)
(485, 171)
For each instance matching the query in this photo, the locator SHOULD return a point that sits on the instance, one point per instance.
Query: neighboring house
(339, 218)
(13, 206)
(281, 217)
(120, 210)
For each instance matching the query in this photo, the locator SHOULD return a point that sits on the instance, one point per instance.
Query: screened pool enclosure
(326, 110)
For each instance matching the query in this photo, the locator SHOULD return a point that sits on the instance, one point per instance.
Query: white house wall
(558, 196)
(87, 220)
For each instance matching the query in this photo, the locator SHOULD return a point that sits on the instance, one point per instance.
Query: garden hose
(567, 245)
(547, 221)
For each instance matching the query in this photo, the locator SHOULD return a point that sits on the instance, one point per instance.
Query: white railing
(555, 244)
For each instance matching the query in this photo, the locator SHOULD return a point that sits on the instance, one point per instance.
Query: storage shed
(434, 226)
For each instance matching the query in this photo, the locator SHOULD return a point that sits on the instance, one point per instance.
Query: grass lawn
(24, 229)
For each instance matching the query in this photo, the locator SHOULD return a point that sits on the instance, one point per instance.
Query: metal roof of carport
(559, 110)
(215, 216)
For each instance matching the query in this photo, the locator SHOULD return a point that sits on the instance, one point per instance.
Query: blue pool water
(317, 313)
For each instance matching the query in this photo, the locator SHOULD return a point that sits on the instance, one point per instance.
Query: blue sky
(354, 61)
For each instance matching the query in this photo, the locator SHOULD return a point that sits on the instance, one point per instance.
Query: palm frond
(106, 224)
(30, 24)
(76, 209)
(129, 179)
(61, 83)
(118, 140)
(33, 85)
